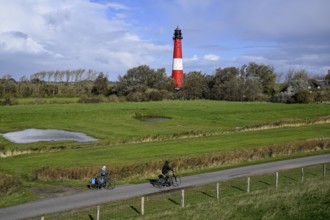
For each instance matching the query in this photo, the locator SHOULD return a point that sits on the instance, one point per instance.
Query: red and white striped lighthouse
(177, 68)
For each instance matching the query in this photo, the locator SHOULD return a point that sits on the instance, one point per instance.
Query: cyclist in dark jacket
(166, 169)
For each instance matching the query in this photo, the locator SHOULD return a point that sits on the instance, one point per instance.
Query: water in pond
(154, 119)
(35, 135)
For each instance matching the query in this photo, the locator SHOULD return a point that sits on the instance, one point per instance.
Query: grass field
(197, 136)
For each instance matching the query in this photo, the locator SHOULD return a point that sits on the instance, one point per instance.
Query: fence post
(218, 191)
(98, 212)
(42, 218)
(248, 185)
(324, 168)
(182, 198)
(302, 174)
(276, 179)
(142, 206)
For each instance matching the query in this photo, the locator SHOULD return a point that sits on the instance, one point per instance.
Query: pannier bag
(93, 180)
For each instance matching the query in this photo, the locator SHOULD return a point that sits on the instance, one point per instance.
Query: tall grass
(8, 184)
(147, 169)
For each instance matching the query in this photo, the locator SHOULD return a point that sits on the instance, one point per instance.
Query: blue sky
(113, 36)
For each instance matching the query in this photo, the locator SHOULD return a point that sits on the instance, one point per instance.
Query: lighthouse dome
(177, 33)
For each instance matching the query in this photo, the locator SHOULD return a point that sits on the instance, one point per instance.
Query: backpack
(93, 181)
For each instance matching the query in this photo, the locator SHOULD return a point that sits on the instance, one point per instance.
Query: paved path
(94, 197)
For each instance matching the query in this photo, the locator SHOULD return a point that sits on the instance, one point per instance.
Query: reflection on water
(35, 135)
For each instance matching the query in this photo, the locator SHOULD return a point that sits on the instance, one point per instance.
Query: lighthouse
(177, 68)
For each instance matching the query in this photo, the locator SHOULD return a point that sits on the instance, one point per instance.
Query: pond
(154, 119)
(35, 135)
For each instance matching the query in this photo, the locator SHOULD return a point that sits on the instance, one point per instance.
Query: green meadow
(197, 135)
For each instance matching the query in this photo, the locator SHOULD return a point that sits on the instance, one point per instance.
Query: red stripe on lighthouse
(177, 67)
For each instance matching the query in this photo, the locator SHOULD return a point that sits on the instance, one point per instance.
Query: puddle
(36, 135)
(154, 119)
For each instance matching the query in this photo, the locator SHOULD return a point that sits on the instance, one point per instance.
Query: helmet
(103, 168)
(167, 161)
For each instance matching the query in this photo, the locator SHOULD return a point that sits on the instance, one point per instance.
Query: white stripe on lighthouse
(177, 64)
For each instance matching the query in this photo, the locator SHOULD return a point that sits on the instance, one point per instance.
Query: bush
(153, 95)
(304, 96)
(135, 97)
(93, 99)
(9, 101)
(113, 98)
(8, 184)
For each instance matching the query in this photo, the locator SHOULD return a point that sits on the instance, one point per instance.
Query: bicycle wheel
(161, 183)
(176, 181)
(110, 184)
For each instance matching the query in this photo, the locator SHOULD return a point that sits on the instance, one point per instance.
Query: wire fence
(176, 199)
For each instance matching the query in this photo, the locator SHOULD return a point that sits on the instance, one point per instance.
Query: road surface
(94, 197)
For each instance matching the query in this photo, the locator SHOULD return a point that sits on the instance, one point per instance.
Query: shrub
(304, 96)
(135, 97)
(8, 184)
(113, 98)
(153, 95)
(9, 101)
(92, 99)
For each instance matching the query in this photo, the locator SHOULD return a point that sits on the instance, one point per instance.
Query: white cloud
(252, 58)
(194, 58)
(112, 36)
(18, 42)
(211, 57)
(73, 34)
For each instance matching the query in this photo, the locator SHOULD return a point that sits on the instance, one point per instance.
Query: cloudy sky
(113, 36)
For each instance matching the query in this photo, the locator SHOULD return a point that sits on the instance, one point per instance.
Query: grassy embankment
(294, 198)
(199, 135)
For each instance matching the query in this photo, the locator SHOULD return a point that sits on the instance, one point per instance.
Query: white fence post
(248, 185)
(98, 212)
(276, 179)
(302, 174)
(42, 218)
(218, 191)
(324, 168)
(182, 198)
(142, 206)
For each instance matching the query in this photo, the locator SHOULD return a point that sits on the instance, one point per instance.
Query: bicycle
(102, 182)
(109, 184)
(173, 180)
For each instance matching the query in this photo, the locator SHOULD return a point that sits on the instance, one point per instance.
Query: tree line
(250, 82)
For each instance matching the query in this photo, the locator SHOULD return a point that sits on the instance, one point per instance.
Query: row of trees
(68, 83)
(252, 82)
